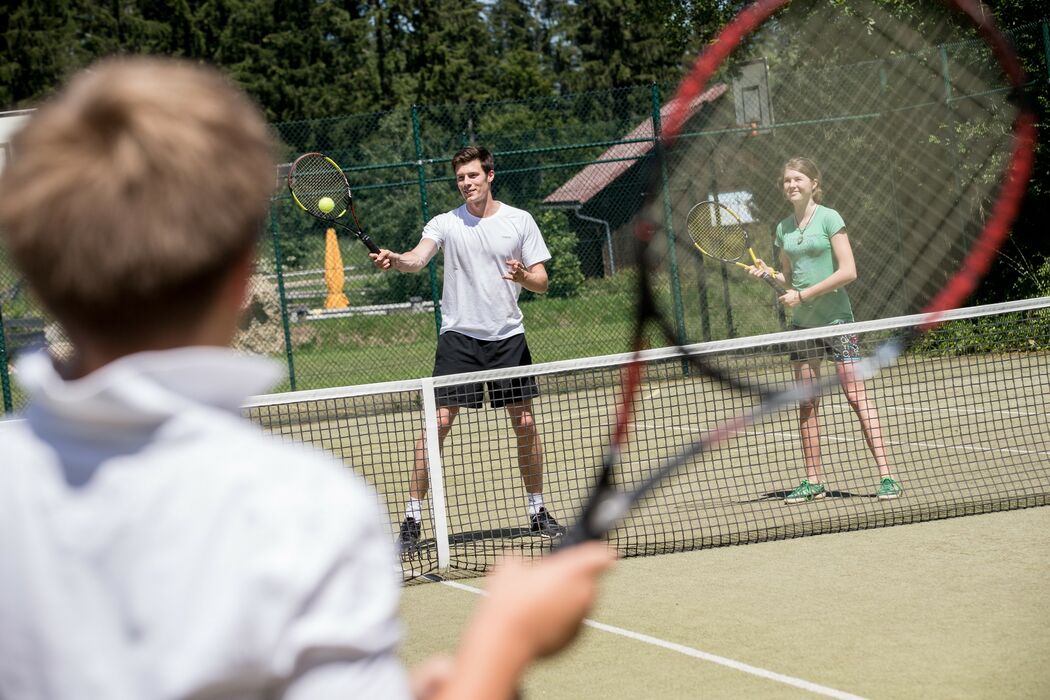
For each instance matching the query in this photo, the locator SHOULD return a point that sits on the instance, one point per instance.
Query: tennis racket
(718, 233)
(320, 188)
(920, 118)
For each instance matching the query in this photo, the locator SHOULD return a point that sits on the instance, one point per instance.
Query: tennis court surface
(952, 608)
(964, 418)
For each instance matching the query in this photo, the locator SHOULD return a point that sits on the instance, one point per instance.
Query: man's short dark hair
(472, 153)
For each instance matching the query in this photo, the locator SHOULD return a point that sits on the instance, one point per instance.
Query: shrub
(563, 269)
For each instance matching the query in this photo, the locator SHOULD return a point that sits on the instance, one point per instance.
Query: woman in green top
(817, 263)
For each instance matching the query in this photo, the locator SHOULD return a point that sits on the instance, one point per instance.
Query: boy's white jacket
(153, 544)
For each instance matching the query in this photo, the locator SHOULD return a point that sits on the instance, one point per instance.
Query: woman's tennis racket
(919, 119)
(718, 233)
(319, 187)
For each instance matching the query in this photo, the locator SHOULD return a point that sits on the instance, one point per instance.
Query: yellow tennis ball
(325, 204)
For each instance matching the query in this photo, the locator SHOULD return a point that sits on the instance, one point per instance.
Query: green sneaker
(806, 492)
(889, 488)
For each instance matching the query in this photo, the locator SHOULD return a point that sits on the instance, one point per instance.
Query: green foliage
(299, 235)
(344, 350)
(547, 84)
(563, 269)
(397, 287)
(622, 42)
(990, 334)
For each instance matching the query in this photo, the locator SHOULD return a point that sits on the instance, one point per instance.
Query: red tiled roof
(581, 187)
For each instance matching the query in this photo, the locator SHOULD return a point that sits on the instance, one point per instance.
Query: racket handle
(773, 283)
(772, 272)
(755, 260)
(369, 243)
(767, 278)
(574, 536)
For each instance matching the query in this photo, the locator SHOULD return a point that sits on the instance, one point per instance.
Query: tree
(621, 43)
(39, 48)
(517, 39)
(447, 55)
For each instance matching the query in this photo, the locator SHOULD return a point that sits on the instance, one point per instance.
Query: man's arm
(411, 261)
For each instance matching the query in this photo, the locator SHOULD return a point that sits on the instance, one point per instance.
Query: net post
(438, 511)
(1046, 48)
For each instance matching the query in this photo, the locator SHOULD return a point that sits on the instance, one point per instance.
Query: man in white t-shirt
(492, 251)
(153, 544)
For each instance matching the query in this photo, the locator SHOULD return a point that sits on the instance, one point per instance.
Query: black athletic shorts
(460, 353)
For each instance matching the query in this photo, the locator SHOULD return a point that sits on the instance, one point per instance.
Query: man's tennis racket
(718, 232)
(919, 117)
(319, 187)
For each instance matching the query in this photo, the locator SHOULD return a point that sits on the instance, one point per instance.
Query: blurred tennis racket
(320, 188)
(919, 118)
(718, 232)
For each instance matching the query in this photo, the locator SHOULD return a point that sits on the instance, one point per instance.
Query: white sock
(535, 503)
(414, 509)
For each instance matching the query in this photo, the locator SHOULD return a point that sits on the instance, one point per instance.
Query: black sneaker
(408, 539)
(544, 524)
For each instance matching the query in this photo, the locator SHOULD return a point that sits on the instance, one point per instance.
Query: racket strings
(910, 120)
(719, 238)
(315, 177)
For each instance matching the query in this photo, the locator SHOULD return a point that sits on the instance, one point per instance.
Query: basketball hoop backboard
(751, 98)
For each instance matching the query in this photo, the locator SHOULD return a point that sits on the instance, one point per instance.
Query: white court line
(697, 654)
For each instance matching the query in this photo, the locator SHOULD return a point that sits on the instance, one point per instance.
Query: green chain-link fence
(398, 166)
(575, 162)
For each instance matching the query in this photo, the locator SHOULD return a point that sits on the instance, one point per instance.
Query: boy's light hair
(131, 193)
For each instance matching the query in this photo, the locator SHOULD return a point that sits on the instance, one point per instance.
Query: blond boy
(152, 543)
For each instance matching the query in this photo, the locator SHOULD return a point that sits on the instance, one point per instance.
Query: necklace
(801, 228)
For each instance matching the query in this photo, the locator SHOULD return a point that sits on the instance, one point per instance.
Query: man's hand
(516, 271)
(385, 259)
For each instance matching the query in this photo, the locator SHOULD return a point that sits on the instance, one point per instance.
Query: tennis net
(963, 419)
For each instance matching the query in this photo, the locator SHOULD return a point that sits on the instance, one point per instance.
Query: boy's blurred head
(131, 194)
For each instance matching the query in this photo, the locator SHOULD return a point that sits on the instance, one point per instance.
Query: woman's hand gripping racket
(319, 187)
(718, 233)
(927, 159)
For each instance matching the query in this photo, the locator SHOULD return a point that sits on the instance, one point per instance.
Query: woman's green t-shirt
(812, 261)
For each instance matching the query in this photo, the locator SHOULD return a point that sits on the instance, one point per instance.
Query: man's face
(473, 182)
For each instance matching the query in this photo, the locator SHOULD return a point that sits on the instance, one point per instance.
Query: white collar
(147, 388)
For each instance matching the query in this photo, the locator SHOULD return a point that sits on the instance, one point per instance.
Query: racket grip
(773, 283)
(577, 534)
(369, 243)
(772, 272)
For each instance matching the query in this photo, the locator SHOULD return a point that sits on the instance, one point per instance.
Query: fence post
(5, 378)
(275, 232)
(949, 110)
(1046, 49)
(676, 284)
(422, 175)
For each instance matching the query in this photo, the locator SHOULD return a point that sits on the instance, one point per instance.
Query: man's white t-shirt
(153, 544)
(476, 300)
